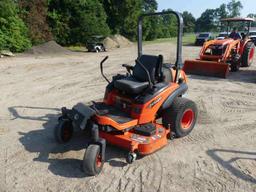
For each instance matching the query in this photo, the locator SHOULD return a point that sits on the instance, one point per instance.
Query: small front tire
(93, 162)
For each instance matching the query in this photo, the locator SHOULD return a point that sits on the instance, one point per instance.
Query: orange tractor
(218, 57)
(140, 111)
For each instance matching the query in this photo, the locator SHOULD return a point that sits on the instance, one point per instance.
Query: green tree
(149, 6)
(13, 32)
(34, 13)
(252, 15)
(123, 16)
(189, 22)
(222, 11)
(210, 19)
(151, 24)
(75, 21)
(168, 24)
(234, 8)
(207, 21)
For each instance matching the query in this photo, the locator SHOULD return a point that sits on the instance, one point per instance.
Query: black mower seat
(131, 85)
(138, 81)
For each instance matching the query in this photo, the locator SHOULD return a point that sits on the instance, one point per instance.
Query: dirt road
(219, 155)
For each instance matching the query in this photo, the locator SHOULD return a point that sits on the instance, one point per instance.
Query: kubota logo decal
(153, 103)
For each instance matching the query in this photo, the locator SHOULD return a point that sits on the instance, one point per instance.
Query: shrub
(13, 31)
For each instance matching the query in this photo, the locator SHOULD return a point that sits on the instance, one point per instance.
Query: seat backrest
(154, 66)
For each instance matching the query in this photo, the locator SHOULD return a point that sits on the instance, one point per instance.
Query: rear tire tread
(172, 116)
(245, 57)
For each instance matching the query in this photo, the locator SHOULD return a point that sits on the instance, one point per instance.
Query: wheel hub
(251, 55)
(98, 161)
(187, 119)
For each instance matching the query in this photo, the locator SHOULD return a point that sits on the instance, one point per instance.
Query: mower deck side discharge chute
(206, 68)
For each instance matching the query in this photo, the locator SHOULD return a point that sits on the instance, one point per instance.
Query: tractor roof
(238, 19)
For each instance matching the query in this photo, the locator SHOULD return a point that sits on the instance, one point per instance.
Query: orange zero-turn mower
(218, 57)
(140, 111)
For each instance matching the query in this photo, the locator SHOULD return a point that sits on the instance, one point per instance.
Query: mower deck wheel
(180, 117)
(131, 157)
(64, 131)
(93, 162)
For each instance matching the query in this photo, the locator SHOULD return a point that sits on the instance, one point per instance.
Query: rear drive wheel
(181, 117)
(248, 54)
(93, 162)
(64, 131)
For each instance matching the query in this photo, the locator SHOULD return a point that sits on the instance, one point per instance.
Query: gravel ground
(219, 155)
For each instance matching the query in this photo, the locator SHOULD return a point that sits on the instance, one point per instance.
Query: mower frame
(130, 121)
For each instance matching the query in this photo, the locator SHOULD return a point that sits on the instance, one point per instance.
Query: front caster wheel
(131, 157)
(64, 131)
(93, 162)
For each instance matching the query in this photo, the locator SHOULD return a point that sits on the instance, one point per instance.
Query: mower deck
(144, 139)
(134, 142)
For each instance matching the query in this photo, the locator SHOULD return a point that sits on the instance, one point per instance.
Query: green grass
(188, 39)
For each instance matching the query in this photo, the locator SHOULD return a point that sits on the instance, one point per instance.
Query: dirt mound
(6, 53)
(121, 41)
(110, 43)
(50, 47)
(116, 41)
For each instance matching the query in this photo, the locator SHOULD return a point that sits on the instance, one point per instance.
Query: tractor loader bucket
(206, 68)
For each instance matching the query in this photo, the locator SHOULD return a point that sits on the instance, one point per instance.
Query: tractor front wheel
(248, 54)
(235, 65)
(181, 117)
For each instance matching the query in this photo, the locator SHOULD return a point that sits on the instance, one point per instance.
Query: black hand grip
(103, 61)
(101, 68)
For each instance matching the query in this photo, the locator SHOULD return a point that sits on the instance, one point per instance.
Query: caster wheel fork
(131, 157)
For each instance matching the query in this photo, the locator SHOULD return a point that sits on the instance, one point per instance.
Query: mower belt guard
(206, 68)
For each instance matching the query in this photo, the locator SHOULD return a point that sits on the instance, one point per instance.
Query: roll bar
(178, 63)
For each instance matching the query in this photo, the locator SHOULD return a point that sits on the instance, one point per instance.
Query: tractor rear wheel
(248, 54)
(181, 117)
